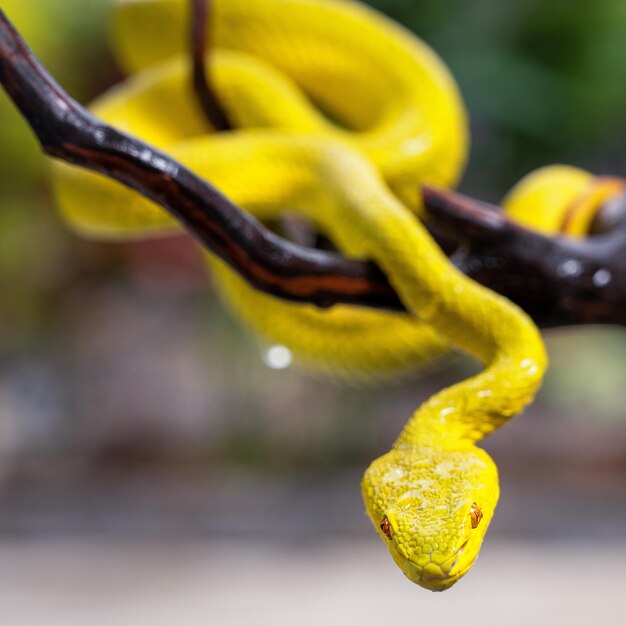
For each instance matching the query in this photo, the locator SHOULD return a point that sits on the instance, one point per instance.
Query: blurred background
(153, 467)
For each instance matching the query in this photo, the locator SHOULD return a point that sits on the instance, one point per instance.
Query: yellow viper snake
(340, 114)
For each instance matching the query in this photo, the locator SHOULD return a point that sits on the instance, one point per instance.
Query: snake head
(432, 507)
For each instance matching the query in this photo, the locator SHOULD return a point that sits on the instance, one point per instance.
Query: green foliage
(68, 37)
(543, 80)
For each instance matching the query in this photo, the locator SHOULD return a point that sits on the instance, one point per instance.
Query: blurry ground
(190, 583)
(154, 470)
(246, 548)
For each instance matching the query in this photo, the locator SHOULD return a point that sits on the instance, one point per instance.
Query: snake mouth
(434, 581)
(443, 583)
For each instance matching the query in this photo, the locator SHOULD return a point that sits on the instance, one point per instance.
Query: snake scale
(340, 114)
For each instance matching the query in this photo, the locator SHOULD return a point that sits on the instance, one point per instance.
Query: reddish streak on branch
(200, 48)
(533, 270)
(69, 132)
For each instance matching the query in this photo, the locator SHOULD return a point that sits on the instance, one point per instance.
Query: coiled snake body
(403, 123)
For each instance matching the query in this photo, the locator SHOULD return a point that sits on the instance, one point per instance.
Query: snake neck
(373, 223)
(469, 411)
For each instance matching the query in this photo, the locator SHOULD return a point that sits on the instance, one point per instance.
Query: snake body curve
(357, 183)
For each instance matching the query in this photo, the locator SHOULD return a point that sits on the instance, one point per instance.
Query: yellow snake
(283, 70)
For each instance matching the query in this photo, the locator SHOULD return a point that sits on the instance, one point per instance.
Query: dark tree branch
(200, 48)
(69, 132)
(558, 281)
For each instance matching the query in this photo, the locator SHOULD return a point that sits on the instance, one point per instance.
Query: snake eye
(476, 515)
(385, 526)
